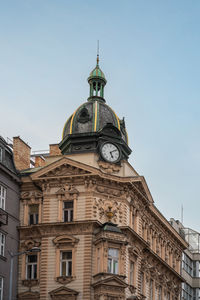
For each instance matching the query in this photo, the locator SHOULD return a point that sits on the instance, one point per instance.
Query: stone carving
(101, 207)
(68, 192)
(109, 168)
(31, 194)
(106, 190)
(64, 170)
(64, 279)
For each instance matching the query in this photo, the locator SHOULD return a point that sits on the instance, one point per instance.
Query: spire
(98, 53)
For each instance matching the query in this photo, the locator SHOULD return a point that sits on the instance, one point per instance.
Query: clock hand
(113, 150)
(111, 154)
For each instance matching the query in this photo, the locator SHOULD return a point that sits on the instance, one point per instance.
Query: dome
(92, 116)
(97, 73)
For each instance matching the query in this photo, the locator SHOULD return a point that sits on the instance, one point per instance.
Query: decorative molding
(108, 167)
(64, 279)
(30, 282)
(65, 240)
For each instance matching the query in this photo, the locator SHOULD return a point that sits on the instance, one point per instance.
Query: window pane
(35, 271)
(32, 258)
(69, 268)
(67, 255)
(68, 204)
(63, 271)
(109, 265)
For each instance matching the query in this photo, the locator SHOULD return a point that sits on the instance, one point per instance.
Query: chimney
(39, 161)
(21, 152)
(54, 149)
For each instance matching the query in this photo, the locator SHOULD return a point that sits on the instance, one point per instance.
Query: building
(9, 218)
(190, 262)
(92, 215)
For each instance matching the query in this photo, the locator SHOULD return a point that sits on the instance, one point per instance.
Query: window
(66, 263)
(132, 273)
(113, 259)
(68, 211)
(142, 283)
(1, 288)
(1, 158)
(33, 214)
(160, 293)
(98, 260)
(31, 266)
(151, 289)
(2, 244)
(133, 220)
(2, 197)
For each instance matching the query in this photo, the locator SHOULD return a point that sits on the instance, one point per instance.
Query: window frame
(132, 273)
(1, 154)
(113, 259)
(32, 264)
(35, 215)
(1, 287)
(151, 289)
(67, 261)
(70, 211)
(3, 190)
(2, 243)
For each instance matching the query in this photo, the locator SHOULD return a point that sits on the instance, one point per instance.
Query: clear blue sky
(149, 52)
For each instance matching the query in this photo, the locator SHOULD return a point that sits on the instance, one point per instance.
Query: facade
(190, 262)
(92, 215)
(9, 218)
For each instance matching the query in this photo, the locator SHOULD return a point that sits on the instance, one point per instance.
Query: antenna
(97, 52)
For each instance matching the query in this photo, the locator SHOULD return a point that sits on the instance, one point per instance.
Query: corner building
(92, 215)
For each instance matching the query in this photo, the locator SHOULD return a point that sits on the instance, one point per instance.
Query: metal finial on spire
(97, 52)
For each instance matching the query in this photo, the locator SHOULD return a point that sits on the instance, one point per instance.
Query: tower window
(113, 260)
(68, 211)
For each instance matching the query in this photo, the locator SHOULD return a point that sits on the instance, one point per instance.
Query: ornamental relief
(108, 210)
(109, 191)
(68, 192)
(31, 195)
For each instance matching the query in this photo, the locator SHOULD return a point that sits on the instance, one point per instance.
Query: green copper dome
(97, 72)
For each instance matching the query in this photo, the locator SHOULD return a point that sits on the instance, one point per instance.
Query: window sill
(65, 279)
(30, 282)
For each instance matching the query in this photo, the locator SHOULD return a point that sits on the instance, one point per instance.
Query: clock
(110, 152)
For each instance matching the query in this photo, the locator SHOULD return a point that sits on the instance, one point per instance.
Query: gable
(62, 168)
(113, 281)
(140, 185)
(28, 296)
(61, 292)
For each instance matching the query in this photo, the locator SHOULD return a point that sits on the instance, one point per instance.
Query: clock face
(110, 152)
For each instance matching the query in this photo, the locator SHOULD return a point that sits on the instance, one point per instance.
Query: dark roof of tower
(95, 114)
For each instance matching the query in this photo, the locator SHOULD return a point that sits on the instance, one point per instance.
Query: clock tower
(94, 126)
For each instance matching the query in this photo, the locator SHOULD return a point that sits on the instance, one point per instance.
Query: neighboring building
(9, 218)
(190, 262)
(92, 215)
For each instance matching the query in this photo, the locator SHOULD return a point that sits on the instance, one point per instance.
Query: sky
(149, 52)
